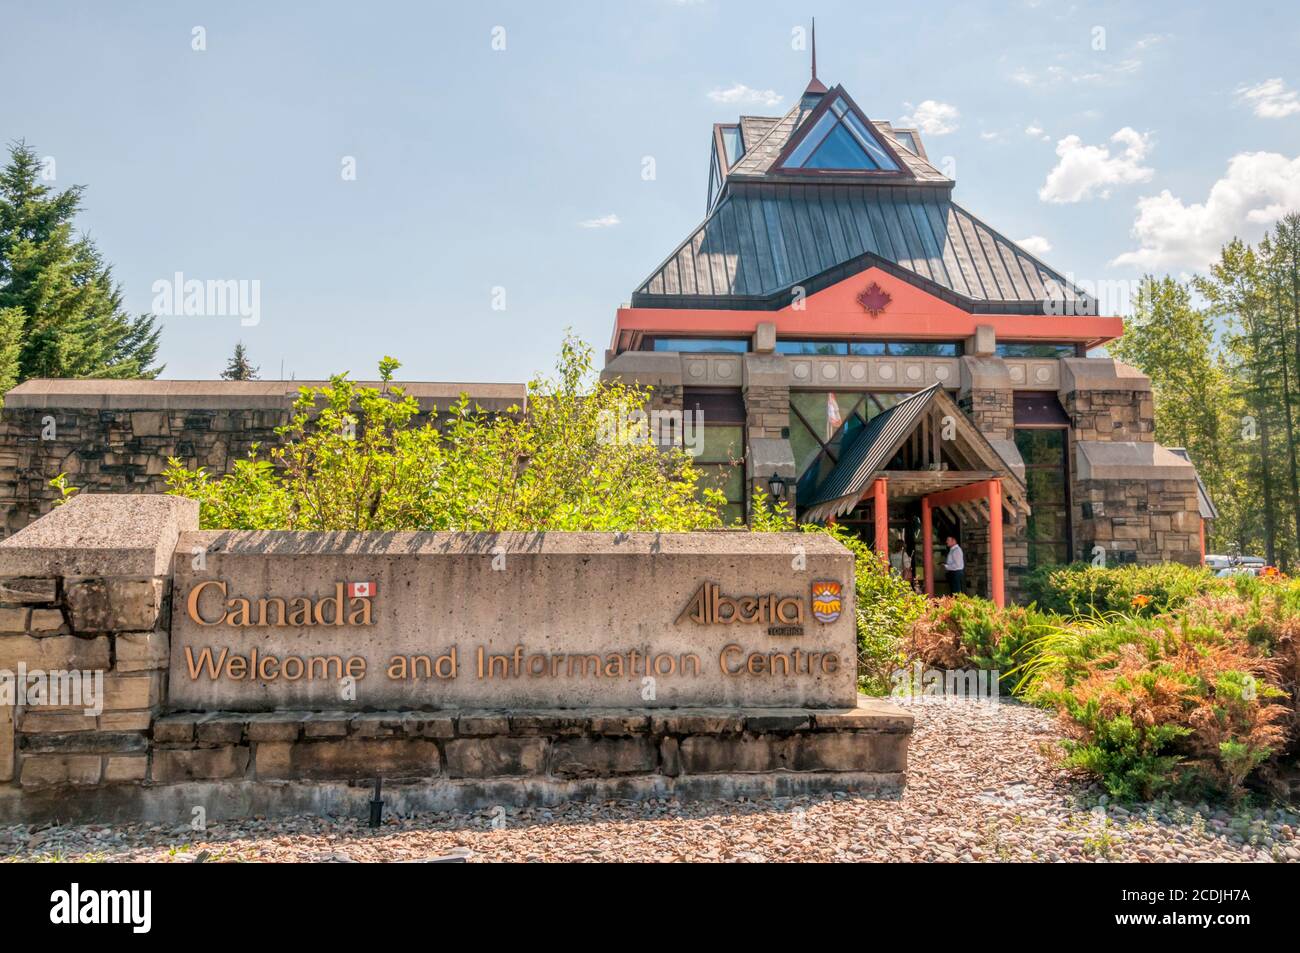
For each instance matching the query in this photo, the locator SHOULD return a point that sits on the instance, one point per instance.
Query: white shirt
(956, 559)
(900, 561)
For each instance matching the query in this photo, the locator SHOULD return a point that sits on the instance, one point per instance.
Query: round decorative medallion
(886, 372)
(725, 369)
(695, 369)
(858, 372)
(1017, 373)
(801, 371)
(1043, 374)
(830, 372)
(941, 373)
(913, 372)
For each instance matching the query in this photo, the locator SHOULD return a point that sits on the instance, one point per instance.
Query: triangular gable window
(839, 139)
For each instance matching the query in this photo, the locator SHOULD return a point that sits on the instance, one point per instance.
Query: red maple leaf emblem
(874, 299)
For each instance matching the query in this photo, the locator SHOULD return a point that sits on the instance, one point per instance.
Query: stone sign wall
(147, 668)
(264, 621)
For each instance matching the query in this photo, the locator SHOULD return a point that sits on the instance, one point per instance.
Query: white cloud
(932, 118)
(1258, 189)
(605, 221)
(1035, 245)
(989, 136)
(740, 93)
(1084, 171)
(1035, 131)
(1270, 99)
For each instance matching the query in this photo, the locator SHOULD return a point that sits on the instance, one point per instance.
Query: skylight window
(840, 140)
(732, 144)
(907, 141)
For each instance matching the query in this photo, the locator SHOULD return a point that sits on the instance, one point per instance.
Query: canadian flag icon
(361, 590)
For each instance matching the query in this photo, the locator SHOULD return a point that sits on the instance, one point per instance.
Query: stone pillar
(85, 593)
(1134, 500)
(766, 389)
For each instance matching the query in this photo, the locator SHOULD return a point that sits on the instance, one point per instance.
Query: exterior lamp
(776, 486)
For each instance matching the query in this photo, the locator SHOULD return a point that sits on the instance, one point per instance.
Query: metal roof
(1208, 511)
(762, 239)
(874, 447)
(883, 436)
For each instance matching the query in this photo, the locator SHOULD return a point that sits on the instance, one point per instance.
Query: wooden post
(927, 547)
(996, 568)
(881, 488)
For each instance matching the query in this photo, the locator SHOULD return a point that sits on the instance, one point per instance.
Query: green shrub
(968, 632)
(886, 607)
(1083, 590)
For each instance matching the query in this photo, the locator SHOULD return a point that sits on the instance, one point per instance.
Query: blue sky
(1117, 138)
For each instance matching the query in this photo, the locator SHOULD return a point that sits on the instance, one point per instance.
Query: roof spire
(815, 86)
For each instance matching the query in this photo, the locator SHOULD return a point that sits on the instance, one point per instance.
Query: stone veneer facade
(1131, 497)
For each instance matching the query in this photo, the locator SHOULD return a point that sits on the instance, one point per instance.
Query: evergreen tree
(239, 367)
(61, 312)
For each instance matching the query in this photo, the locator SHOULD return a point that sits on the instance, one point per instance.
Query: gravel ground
(982, 787)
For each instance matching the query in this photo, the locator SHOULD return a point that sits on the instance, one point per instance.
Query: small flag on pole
(833, 418)
(361, 590)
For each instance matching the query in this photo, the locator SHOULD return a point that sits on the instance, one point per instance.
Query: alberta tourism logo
(785, 614)
(351, 603)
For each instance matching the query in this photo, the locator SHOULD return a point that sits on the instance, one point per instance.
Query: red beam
(961, 494)
(880, 489)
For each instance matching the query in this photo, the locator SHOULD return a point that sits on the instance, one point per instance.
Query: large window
(722, 457)
(840, 140)
(1027, 349)
(871, 348)
(822, 425)
(701, 345)
(1047, 476)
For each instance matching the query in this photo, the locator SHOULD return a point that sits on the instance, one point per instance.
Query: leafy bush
(1083, 590)
(886, 608)
(357, 458)
(960, 632)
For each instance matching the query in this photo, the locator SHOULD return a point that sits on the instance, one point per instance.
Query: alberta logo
(826, 602)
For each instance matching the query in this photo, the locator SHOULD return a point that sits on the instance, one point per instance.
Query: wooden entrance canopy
(925, 448)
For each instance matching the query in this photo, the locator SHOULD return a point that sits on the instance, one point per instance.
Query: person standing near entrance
(955, 564)
(900, 560)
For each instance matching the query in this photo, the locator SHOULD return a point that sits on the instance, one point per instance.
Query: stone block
(778, 720)
(174, 729)
(6, 743)
(13, 620)
(670, 757)
(59, 653)
(360, 759)
(126, 720)
(131, 691)
(871, 714)
(273, 759)
(113, 605)
(171, 765)
(46, 622)
(734, 754)
(53, 770)
(848, 751)
(698, 721)
(85, 742)
(377, 724)
(141, 651)
(483, 725)
(275, 726)
(327, 724)
(495, 757)
(603, 757)
(619, 723)
(428, 725)
(547, 723)
(126, 768)
(219, 729)
(35, 721)
(16, 590)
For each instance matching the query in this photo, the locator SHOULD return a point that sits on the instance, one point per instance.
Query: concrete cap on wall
(770, 454)
(1100, 373)
(647, 368)
(766, 370)
(1129, 460)
(45, 394)
(765, 337)
(101, 534)
(984, 342)
(1010, 453)
(984, 373)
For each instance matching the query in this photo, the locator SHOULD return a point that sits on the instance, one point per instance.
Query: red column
(927, 547)
(996, 567)
(881, 488)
